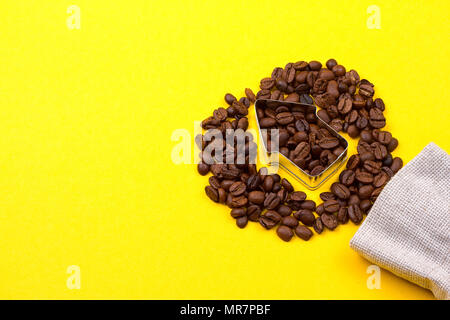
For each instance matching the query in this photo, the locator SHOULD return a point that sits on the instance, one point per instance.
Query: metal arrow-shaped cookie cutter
(311, 182)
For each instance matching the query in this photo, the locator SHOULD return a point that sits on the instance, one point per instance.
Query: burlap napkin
(408, 228)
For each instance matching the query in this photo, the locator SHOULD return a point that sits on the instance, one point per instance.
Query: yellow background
(86, 118)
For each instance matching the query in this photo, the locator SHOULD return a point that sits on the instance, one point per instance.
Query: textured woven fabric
(408, 228)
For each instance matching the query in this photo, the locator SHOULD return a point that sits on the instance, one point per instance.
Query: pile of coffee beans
(346, 104)
(301, 137)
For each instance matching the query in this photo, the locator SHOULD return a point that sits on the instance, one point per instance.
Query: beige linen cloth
(408, 228)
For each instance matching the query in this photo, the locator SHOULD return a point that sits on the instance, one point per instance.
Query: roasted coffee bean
(342, 215)
(331, 206)
(305, 216)
(353, 199)
(270, 219)
(271, 201)
(353, 131)
(284, 210)
(320, 209)
(397, 164)
(303, 232)
(317, 170)
(331, 63)
(268, 183)
(237, 202)
(377, 119)
(355, 213)
(365, 205)
(298, 196)
(379, 150)
(345, 105)
(366, 136)
(237, 188)
(289, 221)
(256, 197)
(253, 182)
(284, 118)
(364, 177)
(250, 95)
(384, 137)
(318, 226)
(329, 142)
(212, 193)
(222, 195)
(308, 205)
(372, 166)
(238, 212)
(387, 161)
(253, 212)
(226, 184)
(285, 233)
(287, 185)
(229, 98)
(380, 179)
(353, 162)
(241, 222)
(203, 168)
(327, 196)
(365, 191)
(393, 144)
(366, 156)
(329, 220)
(347, 177)
(340, 190)
(214, 182)
(267, 122)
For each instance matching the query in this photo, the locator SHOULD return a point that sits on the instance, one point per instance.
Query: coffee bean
(380, 179)
(298, 196)
(327, 196)
(364, 177)
(366, 156)
(318, 226)
(353, 162)
(305, 216)
(237, 188)
(376, 119)
(229, 98)
(331, 206)
(308, 205)
(365, 191)
(287, 185)
(303, 232)
(212, 193)
(397, 164)
(241, 222)
(289, 221)
(366, 136)
(237, 202)
(329, 221)
(320, 209)
(250, 95)
(285, 233)
(340, 190)
(203, 168)
(253, 212)
(342, 215)
(268, 183)
(393, 144)
(222, 195)
(284, 118)
(355, 214)
(267, 122)
(347, 177)
(328, 142)
(270, 219)
(256, 197)
(372, 166)
(365, 205)
(271, 201)
(238, 212)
